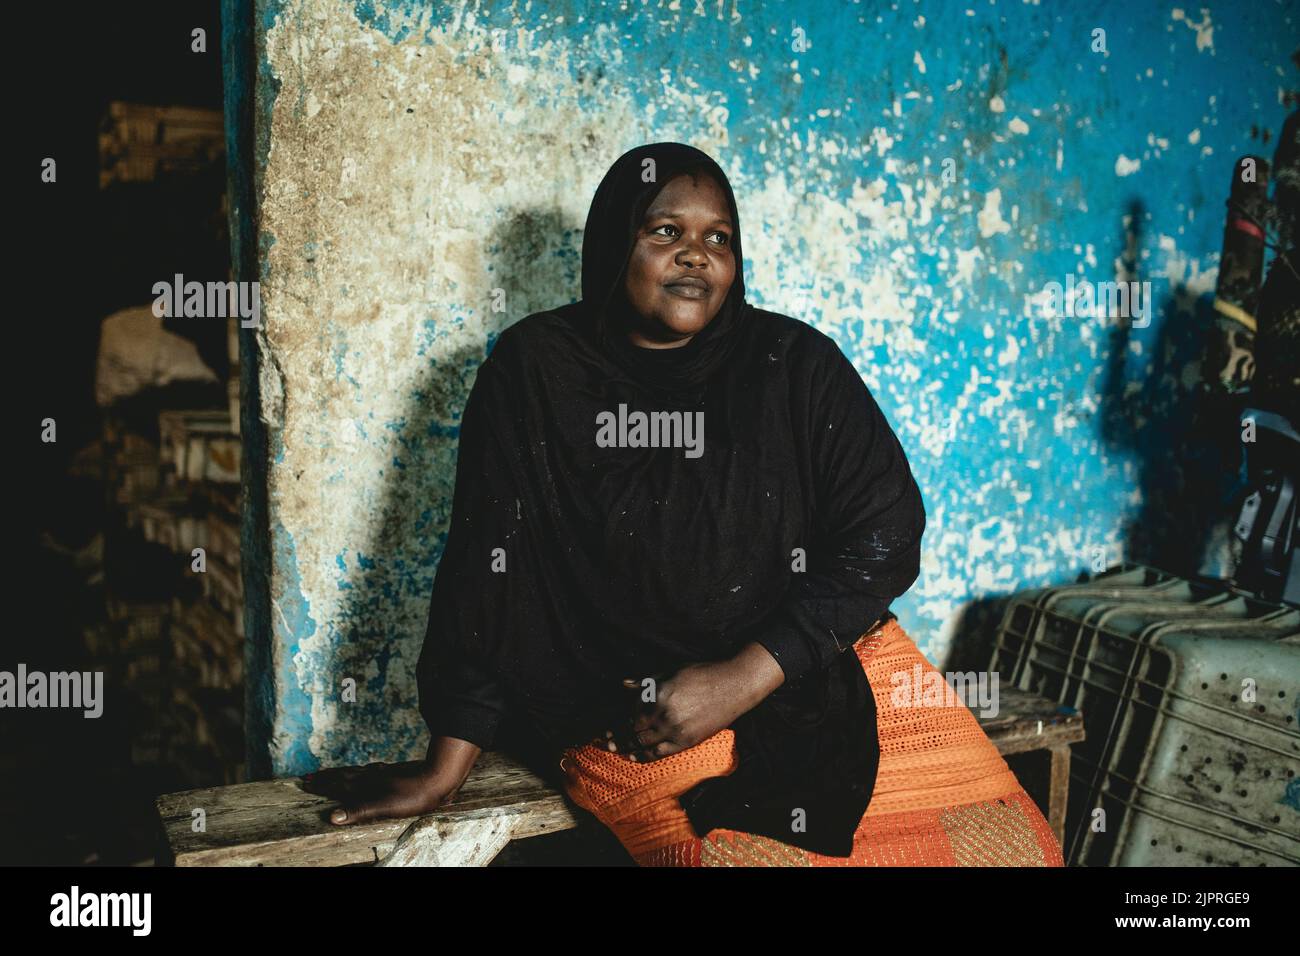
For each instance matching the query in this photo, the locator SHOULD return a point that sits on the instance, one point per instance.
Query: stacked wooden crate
(172, 641)
(131, 462)
(204, 723)
(139, 625)
(222, 585)
(198, 445)
(206, 651)
(139, 143)
(174, 522)
(200, 455)
(170, 457)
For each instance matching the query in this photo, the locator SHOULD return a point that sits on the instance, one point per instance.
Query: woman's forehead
(687, 190)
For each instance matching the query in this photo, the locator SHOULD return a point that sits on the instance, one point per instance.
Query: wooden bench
(278, 823)
(1025, 724)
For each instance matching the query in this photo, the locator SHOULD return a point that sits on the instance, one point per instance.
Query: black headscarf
(569, 566)
(613, 221)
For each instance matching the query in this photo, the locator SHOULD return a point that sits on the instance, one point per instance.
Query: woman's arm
(870, 519)
(460, 694)
(459, 691)
(378, 791)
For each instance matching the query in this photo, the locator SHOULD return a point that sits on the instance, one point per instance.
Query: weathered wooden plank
(1028, 722)
(433, 842)
(278, 823)
(1059, 791)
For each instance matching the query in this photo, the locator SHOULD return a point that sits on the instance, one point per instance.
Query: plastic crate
(1187, 771)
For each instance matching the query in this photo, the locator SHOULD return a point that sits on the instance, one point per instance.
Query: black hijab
(613, 221)
(569, 566)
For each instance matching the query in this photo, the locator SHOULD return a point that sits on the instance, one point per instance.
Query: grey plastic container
(1186, 769)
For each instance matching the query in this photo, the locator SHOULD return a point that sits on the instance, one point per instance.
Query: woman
(678, 524)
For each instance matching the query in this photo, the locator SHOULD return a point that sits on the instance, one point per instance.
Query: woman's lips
(688, 290)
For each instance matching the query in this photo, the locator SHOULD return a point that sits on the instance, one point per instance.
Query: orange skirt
(943, 794)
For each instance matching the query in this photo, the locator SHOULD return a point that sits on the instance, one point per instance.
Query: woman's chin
(672, 326)
(683, 322)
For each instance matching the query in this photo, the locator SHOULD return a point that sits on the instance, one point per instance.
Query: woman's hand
(694, 704)
(381, 790)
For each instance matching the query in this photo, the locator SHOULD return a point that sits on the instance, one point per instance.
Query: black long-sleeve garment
(698, 552)
(569, 566)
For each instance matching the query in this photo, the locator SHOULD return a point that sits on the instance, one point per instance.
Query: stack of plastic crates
(1189, 695)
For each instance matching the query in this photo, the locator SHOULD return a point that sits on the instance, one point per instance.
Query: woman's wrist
(449, 761)
(758, 672)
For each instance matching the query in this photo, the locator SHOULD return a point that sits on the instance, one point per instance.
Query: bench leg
(433, 842)
(1059, 791)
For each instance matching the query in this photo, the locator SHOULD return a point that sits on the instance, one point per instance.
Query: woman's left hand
(694, 704)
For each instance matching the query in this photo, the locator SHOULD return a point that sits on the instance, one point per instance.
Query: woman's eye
(719, 238)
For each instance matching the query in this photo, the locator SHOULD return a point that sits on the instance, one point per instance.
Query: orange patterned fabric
(943, 794)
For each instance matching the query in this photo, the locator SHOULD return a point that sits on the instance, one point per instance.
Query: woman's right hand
(380, 791)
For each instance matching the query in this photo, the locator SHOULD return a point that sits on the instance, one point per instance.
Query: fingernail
(339, 816)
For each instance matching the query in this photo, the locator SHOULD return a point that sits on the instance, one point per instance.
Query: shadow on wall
(1185, 439)
(971, 648)
(1185, 436)
(527, 261)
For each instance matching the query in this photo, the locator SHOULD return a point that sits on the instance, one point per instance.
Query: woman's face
(681, 266)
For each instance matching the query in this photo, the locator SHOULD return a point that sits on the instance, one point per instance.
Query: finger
(362, 812)
(644, 743)
(645, 754)
(348, 816)
(666, 748)
(637, 744)
(658, 749)
(643, 719)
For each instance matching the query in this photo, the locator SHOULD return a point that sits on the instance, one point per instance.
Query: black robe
(569, 566)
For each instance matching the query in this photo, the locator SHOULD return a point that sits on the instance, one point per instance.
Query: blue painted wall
(910, 177)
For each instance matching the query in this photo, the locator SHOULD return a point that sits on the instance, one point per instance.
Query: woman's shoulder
(793, 340)
(537, 339)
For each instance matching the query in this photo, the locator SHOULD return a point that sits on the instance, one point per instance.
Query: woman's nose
(692, 252)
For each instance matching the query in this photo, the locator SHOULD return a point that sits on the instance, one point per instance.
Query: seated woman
(678, 525)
